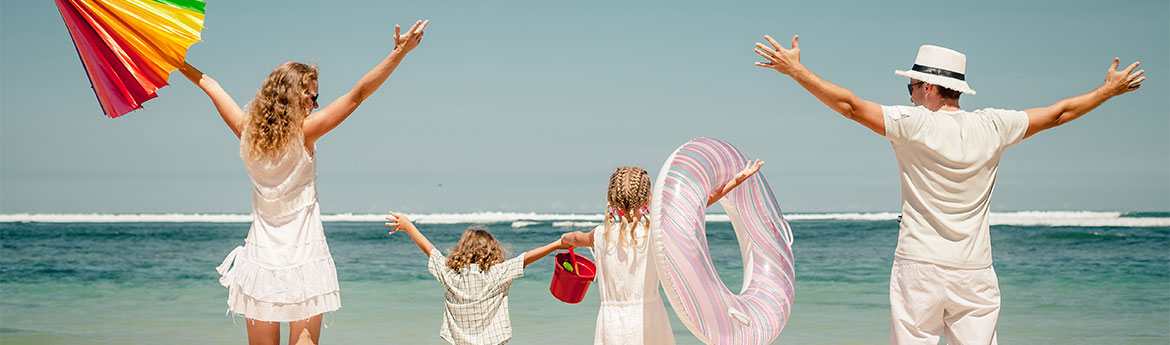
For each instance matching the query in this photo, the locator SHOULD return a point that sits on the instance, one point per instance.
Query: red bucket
(570, 287)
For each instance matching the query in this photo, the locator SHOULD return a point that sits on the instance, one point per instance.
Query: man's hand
(782, 60)
(1120, 82)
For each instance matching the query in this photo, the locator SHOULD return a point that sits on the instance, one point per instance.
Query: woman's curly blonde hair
(477, 246)
(276, 113)
(629, 193)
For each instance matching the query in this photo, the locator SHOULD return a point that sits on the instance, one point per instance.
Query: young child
(477, 279)
(631, 309)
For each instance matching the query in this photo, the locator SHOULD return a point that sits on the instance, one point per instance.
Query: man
(942, 277)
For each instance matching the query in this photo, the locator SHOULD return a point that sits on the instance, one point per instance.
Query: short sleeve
(509, 270)
(900, 123)
(1011, 124)
(437, 264)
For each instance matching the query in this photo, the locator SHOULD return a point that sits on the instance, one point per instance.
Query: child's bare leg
(297, 331)
(263, 333)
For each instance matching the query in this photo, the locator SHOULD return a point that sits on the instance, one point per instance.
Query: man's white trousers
(926, 299)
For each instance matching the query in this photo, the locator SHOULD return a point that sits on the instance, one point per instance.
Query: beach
(1066, 278)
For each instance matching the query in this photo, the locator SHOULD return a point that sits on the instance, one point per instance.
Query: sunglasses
(910, 87)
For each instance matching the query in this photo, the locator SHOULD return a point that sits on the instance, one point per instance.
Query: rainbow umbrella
(130, 47)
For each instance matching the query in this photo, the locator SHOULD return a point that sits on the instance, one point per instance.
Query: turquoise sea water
(1086, 282)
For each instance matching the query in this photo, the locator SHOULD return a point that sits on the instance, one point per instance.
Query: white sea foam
(1075, 218)
(1018, 218)
(520, 220)
(842, 216)
(124, 218)
(498, 217)
(572, 224)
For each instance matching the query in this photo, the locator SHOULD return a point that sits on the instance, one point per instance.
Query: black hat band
(937, 71)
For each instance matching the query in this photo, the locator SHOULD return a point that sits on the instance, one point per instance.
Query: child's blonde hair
(477, 246)
(629, 193)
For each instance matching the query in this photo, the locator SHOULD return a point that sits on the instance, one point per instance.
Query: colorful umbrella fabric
(130, 47)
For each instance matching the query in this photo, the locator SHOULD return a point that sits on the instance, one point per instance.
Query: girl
(631, 309)
(284, 271)
(477, 279)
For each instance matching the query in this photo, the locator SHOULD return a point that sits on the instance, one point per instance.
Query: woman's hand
(406, 43)
(400, 223)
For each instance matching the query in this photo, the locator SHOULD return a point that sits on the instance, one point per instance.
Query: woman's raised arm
(232, 115)
(324, 120)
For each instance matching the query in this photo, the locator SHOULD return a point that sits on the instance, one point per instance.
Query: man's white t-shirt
(947, 161)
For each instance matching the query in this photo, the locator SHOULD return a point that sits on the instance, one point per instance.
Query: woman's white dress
(284, 271)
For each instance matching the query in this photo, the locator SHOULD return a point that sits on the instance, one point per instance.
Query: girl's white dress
(631, 308)
(284, 271)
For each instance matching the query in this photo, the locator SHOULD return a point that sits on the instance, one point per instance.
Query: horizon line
(523, 219)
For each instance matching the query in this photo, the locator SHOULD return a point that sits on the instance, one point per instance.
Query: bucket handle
(573, 261)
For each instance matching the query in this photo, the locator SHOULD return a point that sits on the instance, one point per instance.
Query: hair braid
(629, 191)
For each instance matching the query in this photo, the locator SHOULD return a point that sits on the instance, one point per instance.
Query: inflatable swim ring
(679, 244)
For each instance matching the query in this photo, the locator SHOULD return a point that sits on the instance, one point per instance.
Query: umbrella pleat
(129, 47)
(114, 58)
(93, 56)
(134, 52)
(196, 6)
(162, 47)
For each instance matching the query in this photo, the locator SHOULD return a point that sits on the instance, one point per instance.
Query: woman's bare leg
(263, 333)
(312, 325)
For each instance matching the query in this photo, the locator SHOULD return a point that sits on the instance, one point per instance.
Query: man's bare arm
(1116, 84)
(841, 100)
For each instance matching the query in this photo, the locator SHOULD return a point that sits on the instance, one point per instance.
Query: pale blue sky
(529, 105)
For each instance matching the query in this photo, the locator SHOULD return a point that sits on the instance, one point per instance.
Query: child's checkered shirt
(476, 306)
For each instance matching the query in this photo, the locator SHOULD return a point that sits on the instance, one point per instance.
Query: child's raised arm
(744, 174)
(538, 253)
(401, 223)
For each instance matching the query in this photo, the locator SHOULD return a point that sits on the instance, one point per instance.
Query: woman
(284, 272)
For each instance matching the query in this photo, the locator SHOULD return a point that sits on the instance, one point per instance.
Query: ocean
(1065, 278)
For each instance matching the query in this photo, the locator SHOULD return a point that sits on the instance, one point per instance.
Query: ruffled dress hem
(258, 310)
(279, 295)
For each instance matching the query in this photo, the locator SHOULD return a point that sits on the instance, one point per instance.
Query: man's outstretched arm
(1116, 84)
(841, 100)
